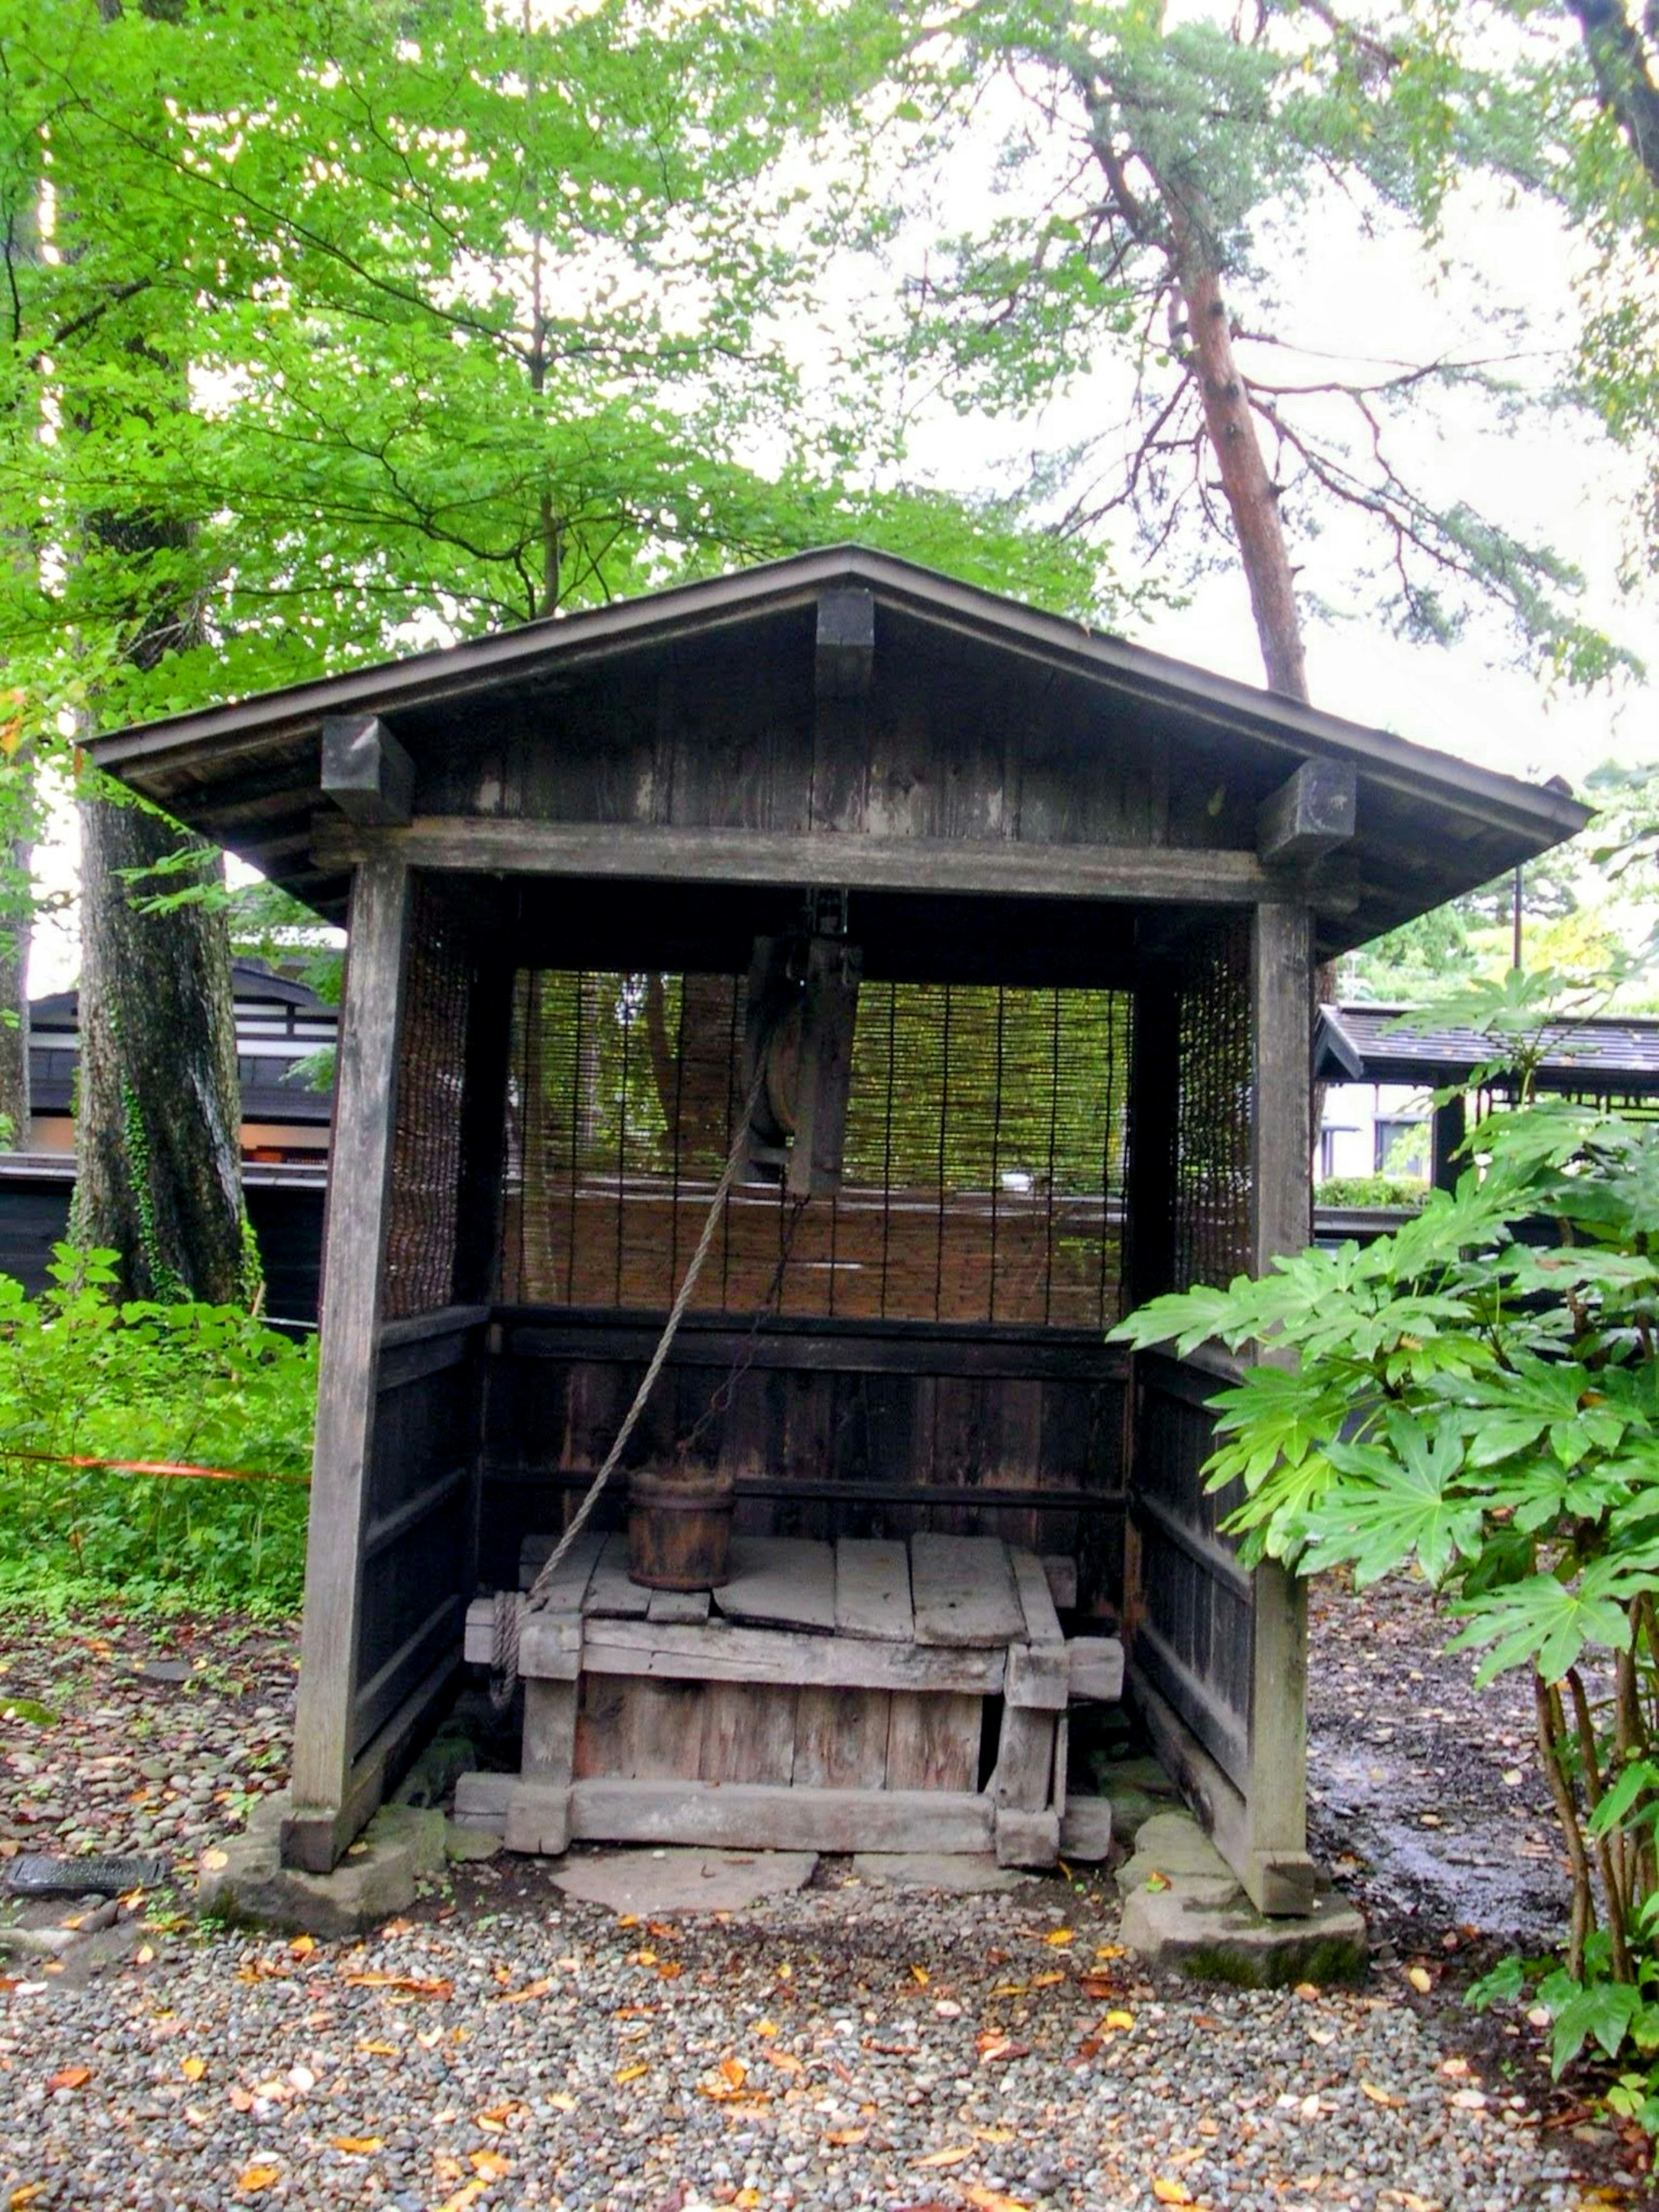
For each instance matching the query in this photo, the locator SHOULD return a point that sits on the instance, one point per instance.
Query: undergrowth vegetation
(85, 1379)
(1477, 1396)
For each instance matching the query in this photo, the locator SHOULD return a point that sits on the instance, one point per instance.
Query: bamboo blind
(1212, 1197)
(983, 1171)
(426, 1154)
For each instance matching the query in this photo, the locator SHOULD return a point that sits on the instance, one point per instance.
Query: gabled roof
(246, 772)
(1365, 1044)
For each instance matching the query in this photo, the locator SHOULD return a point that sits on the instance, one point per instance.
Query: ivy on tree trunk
(158, 1117)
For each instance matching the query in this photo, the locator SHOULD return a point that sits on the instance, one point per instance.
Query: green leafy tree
(360, 326)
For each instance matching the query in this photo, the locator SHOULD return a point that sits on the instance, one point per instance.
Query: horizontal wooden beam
(1175, 875)
(952, 1496)
(847, 1349)
(366, 772)
(1309, 815)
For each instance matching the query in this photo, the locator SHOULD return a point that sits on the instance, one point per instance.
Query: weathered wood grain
(748, 1731)
(1024, 1775)
(933, 1741)
(787, 1582)
(612, 1595)
(963, 1590)
(765, 1818)
(359, 1187)
(872, 1589)
(1095, 1668)
(1037, 1601)
(753, 1655)
(687, 1608)
(840, 1739)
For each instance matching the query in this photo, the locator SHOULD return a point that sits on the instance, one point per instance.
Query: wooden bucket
(679, 1527)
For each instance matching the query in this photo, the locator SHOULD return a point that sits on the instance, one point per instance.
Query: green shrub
(83, 1377)
(1400, 1194)
(1477, 1396)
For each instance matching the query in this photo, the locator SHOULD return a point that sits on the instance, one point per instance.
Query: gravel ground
(505, 2048)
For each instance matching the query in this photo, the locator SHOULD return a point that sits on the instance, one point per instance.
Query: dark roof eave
(1535, 815)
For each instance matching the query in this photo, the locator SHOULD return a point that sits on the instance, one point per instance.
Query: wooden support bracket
(844, 665)
(366, 772)
(1309, 815)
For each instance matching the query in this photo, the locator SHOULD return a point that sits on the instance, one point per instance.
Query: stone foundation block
(1208, 1931)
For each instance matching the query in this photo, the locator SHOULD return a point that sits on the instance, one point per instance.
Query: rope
(536, 1601)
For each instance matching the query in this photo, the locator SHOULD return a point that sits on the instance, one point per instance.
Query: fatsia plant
(1477, 1397)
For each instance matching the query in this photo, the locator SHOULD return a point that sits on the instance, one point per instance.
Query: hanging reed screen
(426, 1148)
(1211, 1240)
(983, 1171)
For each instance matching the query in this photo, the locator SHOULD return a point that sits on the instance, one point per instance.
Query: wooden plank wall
(724, 731)
(868, 1430)
(1189, 1626)
(419, 1539)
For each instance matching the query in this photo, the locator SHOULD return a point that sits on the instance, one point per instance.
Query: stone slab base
(964, 1874)
(244, 1880)
(671, 1879)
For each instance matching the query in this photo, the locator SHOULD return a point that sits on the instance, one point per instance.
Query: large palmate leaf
(1543, 1622)
(1398, 1499)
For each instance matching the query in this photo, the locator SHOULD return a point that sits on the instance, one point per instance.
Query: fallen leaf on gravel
(766, 2027)
(1378, 2096)
(1119, 2020)
(993, 2134)
(523, 1996)
(919, 1976)
(215, 1862)
(241, 2099)
(493, 2117)
(1108, 1950)
(1046, 1981)
(1454, 2067)
(953, 2156)
(664, 1929)
(670, 1970)
(562, 2101)
(258, 2177)
(358, 2146)
(302, 1947)
(1469, 2101)
(992, 2048)
(1171, 2192)
(70, 2077)
(192, 2069)
(398, 1928)
(430, 2037)
(380, 2050)
(1060, 1937)
(468, 2193)
(24, 2196)
(746, 2199)
(145, 1954)
(1420, 1979)
(1306, 1990)
(490, 2164)
(1011, 1990)
(993, 2200)
(786, 2061)
(628, 1920)
(845, 2138)
(1096, 1986)
(1321, 2036)
(630, 2073)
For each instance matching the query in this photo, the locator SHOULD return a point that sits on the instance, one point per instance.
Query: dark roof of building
(246, 773)
(270, 1090)
(1392, 1044)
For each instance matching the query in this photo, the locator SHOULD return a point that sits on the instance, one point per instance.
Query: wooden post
(1278, 1872)
(1449, 1134)
(353, 1254)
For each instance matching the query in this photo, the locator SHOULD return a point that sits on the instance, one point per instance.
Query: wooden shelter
(1089, 886)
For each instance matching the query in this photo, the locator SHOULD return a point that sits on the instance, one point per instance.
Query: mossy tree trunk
(159, 1113)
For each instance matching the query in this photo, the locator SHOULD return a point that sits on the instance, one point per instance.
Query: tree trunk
(158, 1117)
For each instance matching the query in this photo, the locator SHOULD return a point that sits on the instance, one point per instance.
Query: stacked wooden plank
(831, 1697)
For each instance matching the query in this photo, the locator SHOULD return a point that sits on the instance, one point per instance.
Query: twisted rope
(536, 1601)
